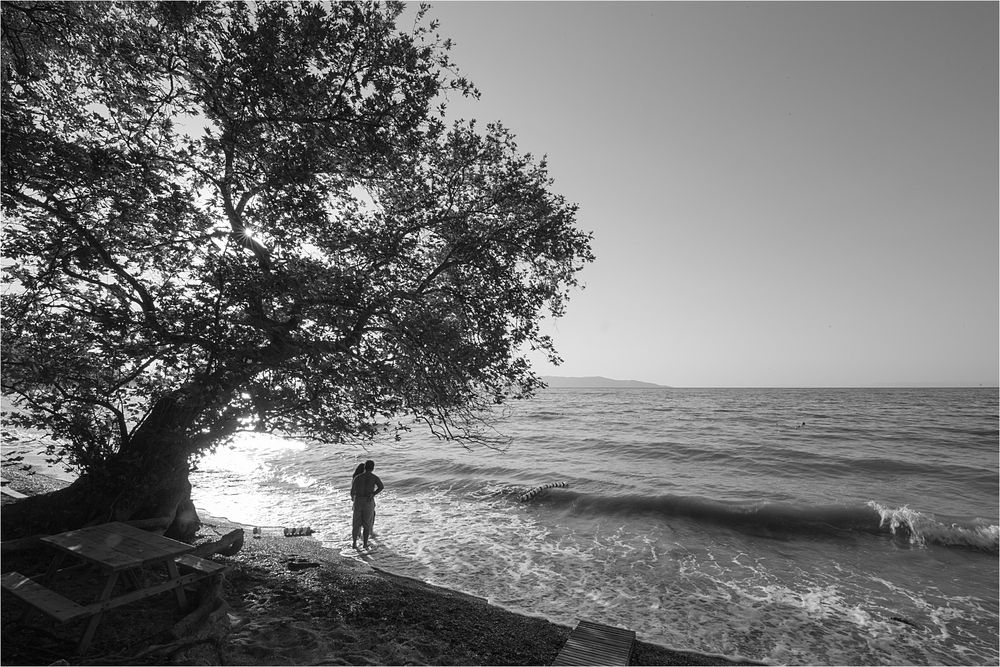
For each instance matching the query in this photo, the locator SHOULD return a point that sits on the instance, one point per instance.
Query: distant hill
(594, 381)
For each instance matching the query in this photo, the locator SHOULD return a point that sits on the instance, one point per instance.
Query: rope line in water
(538, 489)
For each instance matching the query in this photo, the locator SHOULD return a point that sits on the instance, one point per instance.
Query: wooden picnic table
(116, 549)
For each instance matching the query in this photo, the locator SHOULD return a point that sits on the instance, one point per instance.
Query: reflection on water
(611, 546)
(226, 478)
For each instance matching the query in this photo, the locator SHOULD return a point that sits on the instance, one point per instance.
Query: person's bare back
(364, 488)
(366, 485)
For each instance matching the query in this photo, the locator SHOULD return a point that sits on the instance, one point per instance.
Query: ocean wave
(922, 529)
(787, 520)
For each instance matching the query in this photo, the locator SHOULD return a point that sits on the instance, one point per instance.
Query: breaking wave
(784, 520)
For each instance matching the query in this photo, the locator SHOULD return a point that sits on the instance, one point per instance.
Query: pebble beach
(292, 602)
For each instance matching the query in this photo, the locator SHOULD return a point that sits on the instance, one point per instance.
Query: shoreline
(294, 601)
(644, 653)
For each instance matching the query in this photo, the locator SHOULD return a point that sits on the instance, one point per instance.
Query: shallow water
(792, 526)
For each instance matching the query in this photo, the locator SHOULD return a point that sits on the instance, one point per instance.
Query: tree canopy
(224, 216)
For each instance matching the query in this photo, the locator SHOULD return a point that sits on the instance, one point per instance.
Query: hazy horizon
(799, 194)
(871, 386)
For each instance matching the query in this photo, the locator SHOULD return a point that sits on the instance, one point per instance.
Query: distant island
(594, 381)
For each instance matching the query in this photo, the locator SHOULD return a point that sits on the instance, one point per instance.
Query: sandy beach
(289, 601)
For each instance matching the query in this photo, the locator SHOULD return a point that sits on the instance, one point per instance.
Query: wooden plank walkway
(596, 644)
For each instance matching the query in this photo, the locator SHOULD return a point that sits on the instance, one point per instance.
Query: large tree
(227, 216)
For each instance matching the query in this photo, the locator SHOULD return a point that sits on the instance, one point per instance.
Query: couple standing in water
(365, 486)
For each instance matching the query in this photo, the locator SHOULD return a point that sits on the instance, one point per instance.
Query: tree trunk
(90, 500)
(146, 479)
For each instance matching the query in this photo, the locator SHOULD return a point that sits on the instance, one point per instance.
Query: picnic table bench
(115, 549)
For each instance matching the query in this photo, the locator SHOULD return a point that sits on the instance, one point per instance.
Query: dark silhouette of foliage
(227, 216)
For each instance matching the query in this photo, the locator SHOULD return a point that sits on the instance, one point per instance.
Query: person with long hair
(364, 488)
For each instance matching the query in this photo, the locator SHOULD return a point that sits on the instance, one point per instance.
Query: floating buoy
(298, 532)
(538, 489)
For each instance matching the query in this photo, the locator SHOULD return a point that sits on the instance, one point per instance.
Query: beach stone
(206, 653)
(296, 566)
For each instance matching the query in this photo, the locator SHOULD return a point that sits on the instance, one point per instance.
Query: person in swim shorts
(364, 488)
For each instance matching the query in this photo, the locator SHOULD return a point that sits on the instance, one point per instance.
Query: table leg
(174, 575)
(95, 620)
(54, 566)
(132, 579)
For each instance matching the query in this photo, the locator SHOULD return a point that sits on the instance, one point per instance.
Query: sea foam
(922, 529)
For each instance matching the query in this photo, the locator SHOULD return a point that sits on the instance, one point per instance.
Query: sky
(794, 194)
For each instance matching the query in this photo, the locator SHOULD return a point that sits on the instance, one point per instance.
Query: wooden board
(16, 495)
(117, 546)
(596, 644)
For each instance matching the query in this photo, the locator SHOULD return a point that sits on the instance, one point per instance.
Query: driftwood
(158, 524)
(228, 545)
(211, 610)
(172, 647)
(210, 620)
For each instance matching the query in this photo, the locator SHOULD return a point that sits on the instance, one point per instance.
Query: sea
(787, 526)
